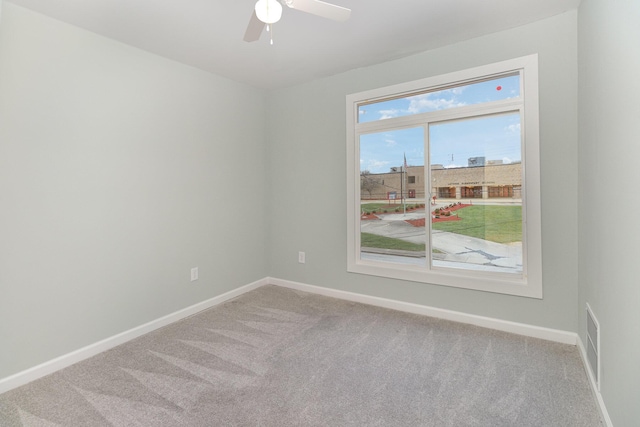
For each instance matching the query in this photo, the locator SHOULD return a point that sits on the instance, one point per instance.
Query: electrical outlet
(194, 274)
(301, 257)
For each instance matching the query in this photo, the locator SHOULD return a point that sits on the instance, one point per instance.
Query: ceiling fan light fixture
(268, 11)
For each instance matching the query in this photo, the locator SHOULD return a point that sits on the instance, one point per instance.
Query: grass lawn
(501, 224)
(369, 240)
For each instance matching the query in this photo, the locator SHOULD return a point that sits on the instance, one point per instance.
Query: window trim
(530, 283)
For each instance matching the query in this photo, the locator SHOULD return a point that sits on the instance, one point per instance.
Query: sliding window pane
(392, 197)
(477, 180)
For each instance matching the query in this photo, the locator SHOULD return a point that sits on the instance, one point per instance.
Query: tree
(367, 182)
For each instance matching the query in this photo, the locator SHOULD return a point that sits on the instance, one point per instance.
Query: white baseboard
(61, 362)
(594, 387)
(555, 335)
(76, 356)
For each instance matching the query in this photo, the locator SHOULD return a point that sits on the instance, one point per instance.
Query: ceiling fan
(267, 12)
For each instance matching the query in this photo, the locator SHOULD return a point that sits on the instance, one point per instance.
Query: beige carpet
(277, 357)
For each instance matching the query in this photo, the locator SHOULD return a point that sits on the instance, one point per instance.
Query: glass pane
(392, 197)
(476, 188)
(501, 88)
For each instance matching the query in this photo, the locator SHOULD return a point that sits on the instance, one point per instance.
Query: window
(443, 180)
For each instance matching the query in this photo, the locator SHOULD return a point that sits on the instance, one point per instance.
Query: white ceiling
(208, 33)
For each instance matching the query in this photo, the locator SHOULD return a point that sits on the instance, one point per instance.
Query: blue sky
(452, 143)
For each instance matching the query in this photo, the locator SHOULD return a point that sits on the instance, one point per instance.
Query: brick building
(486, 181)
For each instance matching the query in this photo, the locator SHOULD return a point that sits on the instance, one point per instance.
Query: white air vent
(593, 345)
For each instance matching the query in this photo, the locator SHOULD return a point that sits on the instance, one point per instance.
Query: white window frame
(527, 284)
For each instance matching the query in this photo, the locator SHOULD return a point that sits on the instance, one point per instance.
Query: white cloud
(391, 142)
(514, 128)
(506, 160)
(376, 166)
(389, 114)
(431, 102)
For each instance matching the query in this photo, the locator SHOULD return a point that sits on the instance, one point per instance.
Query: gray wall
(306, 137)
(108, 159)
(609, 149)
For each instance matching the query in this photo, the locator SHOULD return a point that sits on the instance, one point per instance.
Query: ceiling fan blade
(254, 29)
(320, 8)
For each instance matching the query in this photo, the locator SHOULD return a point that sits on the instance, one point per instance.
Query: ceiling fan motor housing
(268, 11)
